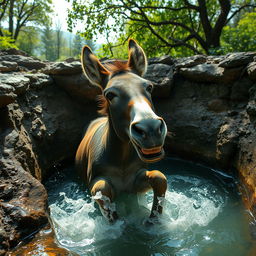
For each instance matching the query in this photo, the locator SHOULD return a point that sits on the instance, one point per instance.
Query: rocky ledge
(209, 104)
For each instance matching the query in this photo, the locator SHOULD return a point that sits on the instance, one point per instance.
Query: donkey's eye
(110, 96)
(149, 88)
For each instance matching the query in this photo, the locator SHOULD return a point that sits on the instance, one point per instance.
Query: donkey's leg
(105, 200)
(152, 180)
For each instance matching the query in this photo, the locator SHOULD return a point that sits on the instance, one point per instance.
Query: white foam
(78, 224)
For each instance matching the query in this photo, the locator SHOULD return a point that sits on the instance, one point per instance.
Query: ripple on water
(192, 223)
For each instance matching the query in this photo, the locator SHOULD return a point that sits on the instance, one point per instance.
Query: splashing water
(201, 216)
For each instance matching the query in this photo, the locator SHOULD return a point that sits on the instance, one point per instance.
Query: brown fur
(86, 150)
(113, 68)
(103, 105)
(117, 66)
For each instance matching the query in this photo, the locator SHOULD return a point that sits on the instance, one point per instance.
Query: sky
(60, 16)
(60, 13)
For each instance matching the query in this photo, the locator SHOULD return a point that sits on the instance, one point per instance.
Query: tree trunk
(11, 14)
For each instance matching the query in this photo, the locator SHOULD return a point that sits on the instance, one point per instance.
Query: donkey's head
(128, 101)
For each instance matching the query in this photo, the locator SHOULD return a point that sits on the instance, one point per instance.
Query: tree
(48, 41)
(195, 25)
(19, 13)
(29, 40)
(246, 31)
(79, 42)
(77, 45)
(59, 39)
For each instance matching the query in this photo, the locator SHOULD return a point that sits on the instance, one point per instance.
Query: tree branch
(23, 19)
(239, 10)
(4, 5)
(204, 19)
(221, 21)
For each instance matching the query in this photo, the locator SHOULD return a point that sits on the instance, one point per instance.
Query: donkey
(113, 155)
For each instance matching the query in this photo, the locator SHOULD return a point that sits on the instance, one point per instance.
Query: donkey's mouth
(150, 155)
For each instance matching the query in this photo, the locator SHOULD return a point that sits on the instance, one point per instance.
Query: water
(203, 215)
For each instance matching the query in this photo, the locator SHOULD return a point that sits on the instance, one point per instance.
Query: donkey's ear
(137, 59)
(93, 69)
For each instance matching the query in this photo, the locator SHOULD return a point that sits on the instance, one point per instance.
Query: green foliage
(6, 42)
(21, 13)
(113, 18)
(241, 37)
(175, 27)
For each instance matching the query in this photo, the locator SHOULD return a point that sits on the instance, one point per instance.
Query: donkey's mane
(114, 67)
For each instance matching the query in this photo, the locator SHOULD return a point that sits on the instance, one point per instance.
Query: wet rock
(251, 70)
(237, 59)
(48, 246)
(162, 77)
(24, 61)
(167, 60)
(7, 66)
(63, 68)
(210, 73)
(245, 164)
(22, 204)
(190, 61)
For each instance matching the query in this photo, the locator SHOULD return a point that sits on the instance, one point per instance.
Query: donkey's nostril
(139, 130)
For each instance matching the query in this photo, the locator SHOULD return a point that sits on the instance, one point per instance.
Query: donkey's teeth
(151, 151)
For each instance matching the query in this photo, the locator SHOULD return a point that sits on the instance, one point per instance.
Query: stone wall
(208, 104)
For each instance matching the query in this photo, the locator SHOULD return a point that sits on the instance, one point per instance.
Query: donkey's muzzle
(148, 137)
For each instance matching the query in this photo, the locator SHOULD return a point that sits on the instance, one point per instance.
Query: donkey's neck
(122, 147)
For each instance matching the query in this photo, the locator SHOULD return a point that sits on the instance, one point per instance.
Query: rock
(190, 61)
(19, 82)
(167, 60)
(217, 105)
(24, 61)
(245, 164)
(7, 66)
(251, 70)
(162, 76)
(48, 245)
(240, 90)
(78, 86)
(210, 73)
(23, 202)
(71, 59)
(39, 80)
(63, 68)
(13, 51)
(7, 94)
(237, 59)
(209, 110)
(251, 108)
(214, 59)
